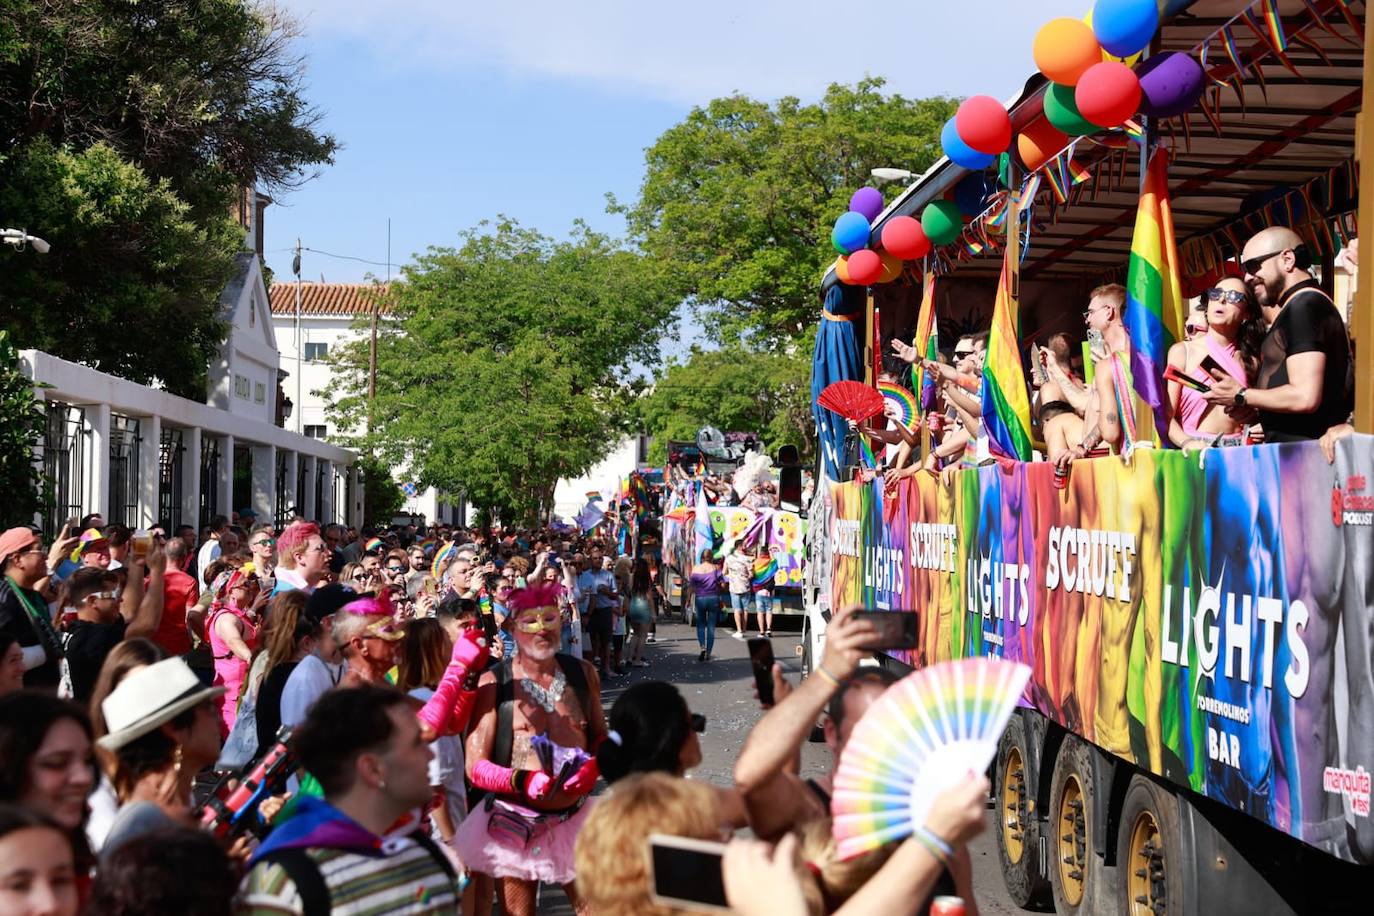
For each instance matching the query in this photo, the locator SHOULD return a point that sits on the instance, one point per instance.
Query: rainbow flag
(765, 571)
(1006, 405)
(1154, 295)
(927, 343)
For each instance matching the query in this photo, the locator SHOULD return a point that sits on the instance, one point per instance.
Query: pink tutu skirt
(548, 857)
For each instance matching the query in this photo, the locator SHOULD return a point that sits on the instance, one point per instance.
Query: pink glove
(470, 650)
(534, 785)
(451, 704)
(584, 780)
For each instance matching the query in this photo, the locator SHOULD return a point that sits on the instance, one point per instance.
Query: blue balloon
(1168, 8)
(960, 153)
(850, 233)
(1124, 27)
(970, 194)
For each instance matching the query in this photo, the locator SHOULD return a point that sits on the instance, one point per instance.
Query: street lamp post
(19, 239)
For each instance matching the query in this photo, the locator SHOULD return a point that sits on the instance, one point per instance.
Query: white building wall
(317, 378)
(100, 394)
(571, 495)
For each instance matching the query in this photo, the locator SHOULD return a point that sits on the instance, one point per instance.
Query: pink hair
(292, 540)
(372, 606)
(545, 595)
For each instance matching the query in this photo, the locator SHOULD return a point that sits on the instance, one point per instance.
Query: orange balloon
(1064, 48)
(892, 267)
(842, 270)
(1040, 141)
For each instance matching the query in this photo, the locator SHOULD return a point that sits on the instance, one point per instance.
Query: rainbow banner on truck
(1209, 619)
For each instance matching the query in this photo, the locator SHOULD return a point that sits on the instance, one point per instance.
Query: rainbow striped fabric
(1154, 295)
(927, 344)
(1006, 404)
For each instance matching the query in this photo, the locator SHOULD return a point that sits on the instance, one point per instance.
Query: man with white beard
(523, 705)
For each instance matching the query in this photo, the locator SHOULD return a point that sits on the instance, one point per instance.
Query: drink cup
(140, 542)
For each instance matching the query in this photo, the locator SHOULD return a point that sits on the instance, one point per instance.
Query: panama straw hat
(148, 697)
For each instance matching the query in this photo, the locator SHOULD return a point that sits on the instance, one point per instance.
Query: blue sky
(452, 112)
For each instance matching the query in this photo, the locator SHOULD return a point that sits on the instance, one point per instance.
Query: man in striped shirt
(344, 854)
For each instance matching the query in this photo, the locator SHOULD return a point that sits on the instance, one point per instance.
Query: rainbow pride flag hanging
(926, 343)
(1154, 295)
(1006, 404)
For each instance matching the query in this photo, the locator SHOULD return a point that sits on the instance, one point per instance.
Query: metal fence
(171, 450)
(63, 468)
(209, 481)
(124, 446)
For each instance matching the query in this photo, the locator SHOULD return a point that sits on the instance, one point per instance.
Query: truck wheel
(1074, 867)
(1018, 823)
(1149, 828)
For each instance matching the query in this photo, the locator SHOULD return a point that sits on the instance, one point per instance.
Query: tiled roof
(326, 298)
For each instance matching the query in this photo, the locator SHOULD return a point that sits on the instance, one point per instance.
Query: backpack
(505, 702)
(316, 899)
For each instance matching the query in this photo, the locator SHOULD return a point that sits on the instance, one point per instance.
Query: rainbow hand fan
(907, 410)
(851, 400)
(923, 735)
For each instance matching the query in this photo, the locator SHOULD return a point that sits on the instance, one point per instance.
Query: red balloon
(983, 124)
(865, 267)
(1108, 93)
(904, 237)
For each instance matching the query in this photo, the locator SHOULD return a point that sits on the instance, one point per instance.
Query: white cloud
(694, 51)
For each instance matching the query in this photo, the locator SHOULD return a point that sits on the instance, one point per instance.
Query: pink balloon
(865, 267)
(984, 125)
(1108, 94)
(904, 237)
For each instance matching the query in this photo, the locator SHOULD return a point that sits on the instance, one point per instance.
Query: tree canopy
(737, 203)
(126, 130)
(740, 197)
(734, 388)
(500, 364)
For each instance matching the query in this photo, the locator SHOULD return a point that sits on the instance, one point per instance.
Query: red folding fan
(851, 400)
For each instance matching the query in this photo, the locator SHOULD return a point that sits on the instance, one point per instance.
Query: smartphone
(896, 629)
(687, 873)
(1097, 344)
(1211, 365)
(761, 657)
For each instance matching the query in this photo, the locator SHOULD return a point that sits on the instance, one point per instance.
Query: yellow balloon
(1128, 61)
(892, 267)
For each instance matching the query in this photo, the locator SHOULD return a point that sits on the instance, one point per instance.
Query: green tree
(127, 127)
(21, 430)
(738, 200)
(733, 388)
(382, 498)
(500, 363)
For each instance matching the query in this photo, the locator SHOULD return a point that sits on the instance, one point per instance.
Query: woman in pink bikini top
(1231, 339)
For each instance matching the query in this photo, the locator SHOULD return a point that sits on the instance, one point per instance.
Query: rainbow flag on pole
(1006, 404)
(1154, 296)
(926, 343)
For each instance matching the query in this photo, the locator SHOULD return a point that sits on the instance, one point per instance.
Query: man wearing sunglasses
(262, 543)
(106, 615)
(1305, 383)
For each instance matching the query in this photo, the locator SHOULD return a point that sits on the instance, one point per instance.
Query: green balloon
(1062, 111)
(942, 221)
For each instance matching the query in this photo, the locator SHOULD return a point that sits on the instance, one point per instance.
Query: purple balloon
(1170, 84)
(868, 201)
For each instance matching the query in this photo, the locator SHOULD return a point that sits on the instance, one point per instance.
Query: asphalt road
(722, 690)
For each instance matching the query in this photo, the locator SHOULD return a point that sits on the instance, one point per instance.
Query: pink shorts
(547, 858)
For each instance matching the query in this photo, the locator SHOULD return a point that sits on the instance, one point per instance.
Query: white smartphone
(686, 873)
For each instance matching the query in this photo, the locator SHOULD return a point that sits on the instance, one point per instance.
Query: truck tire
(1150, 828)
(1018, 823)
(1074, 867)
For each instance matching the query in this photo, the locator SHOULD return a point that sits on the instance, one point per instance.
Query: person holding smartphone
(1231, 341)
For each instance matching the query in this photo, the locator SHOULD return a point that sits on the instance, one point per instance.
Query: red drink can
(947, 906)
(1061, 476)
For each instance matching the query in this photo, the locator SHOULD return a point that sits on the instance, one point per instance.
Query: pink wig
(292, 539)
(545, 595)
(372, 606)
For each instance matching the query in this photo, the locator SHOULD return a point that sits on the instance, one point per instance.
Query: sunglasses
(1252, 265)
(698, 723)
(1228, 296)
(395, 569)
(960, 354)
(1193, 329)
(265, 542)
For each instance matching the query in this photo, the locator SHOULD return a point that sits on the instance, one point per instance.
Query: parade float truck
(1197, 736)
(692, 521)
